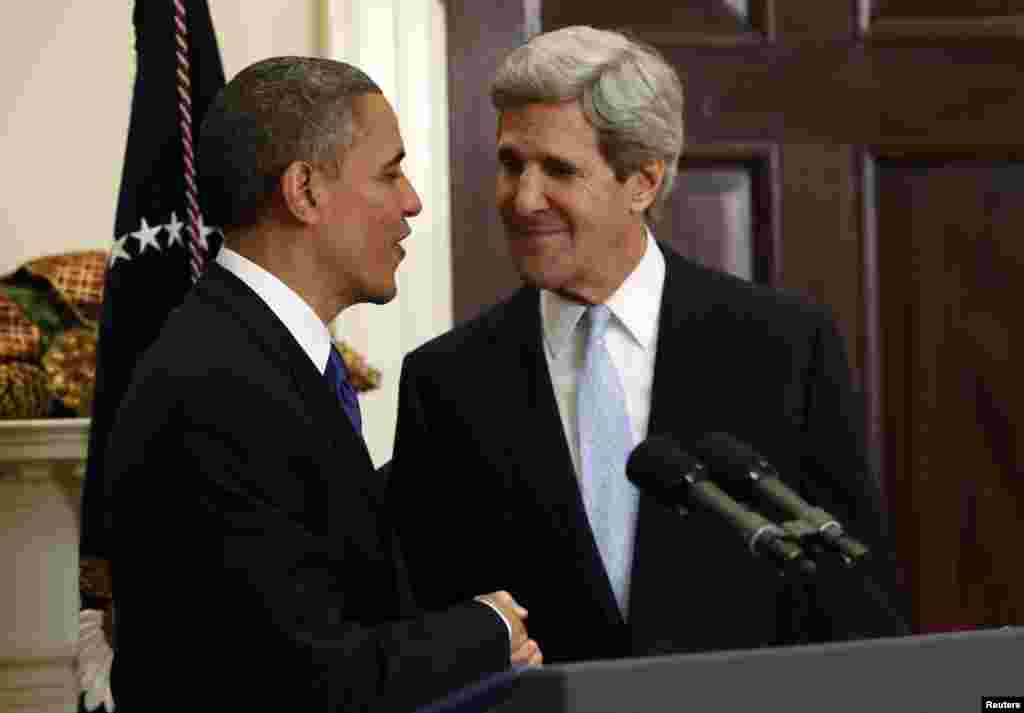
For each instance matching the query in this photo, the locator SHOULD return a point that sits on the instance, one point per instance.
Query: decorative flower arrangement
(49, 319)
(363, 376)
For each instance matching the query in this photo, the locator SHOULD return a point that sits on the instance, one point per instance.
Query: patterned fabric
(337, 378)
(19, 339)
(78, 279)
(606, 439)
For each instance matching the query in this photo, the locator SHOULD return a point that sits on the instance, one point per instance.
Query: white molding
(38, 684)
(41, 466)
(44, 440)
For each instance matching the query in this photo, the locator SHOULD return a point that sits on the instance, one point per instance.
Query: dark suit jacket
(254, 561)
(482, 474)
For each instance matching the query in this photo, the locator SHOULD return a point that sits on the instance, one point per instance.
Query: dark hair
(274, 112)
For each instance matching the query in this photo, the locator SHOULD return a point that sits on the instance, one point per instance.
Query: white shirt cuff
(498, 612)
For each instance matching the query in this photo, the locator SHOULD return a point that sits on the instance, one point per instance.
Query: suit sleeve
(865, 601)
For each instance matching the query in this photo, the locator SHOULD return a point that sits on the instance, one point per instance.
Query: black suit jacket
(254, 563)
(482, 474)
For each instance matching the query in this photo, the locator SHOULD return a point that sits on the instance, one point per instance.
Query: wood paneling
(701, 22)
(849, 92)
(798, 21)
(944, 8)
(917, 21)
(821, 246)
(946, 30)
(475, 46)
(951, 279)
(709, 219)
(685, 227)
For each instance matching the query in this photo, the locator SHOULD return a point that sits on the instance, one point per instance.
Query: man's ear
(644, 185)
(302, 191)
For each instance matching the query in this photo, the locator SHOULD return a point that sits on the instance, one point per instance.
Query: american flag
(160, 241)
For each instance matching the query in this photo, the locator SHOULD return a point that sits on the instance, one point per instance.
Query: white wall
(66, 93)
(248, 31)
(65, 99)
(401, 45)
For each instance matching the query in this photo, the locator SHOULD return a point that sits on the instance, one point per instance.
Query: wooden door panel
(951, 282)
(481, 270)
(722, 212)
(916, 21)
(822, 253)
(708, 19)
(935, 9)
(849, 92)
(709, 218)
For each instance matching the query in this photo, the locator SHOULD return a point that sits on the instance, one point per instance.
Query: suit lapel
(681, 349)
(545, 465)
(659, 581)
(270, 334)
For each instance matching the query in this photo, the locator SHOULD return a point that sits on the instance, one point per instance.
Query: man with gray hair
(254, 565)
(538, 402)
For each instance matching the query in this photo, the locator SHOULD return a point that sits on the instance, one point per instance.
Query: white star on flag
(174, 230)
(204, 233)
(117, 252)
(147, 236)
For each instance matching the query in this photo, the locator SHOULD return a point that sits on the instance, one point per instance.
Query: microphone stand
(826, 543)
(763, 538)
(843, 570)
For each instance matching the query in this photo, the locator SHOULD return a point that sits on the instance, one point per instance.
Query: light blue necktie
(606, 440)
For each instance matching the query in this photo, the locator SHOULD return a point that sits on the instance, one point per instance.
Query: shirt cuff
(498, 612)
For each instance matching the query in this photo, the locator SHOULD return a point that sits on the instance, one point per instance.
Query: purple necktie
(337, 377)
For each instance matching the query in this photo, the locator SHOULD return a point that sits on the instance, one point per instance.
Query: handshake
(524, 649)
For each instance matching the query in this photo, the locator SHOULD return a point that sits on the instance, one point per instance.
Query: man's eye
(511, 165)
(559, 169)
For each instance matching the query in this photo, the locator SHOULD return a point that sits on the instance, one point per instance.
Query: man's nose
(411, 204)
(530, 196)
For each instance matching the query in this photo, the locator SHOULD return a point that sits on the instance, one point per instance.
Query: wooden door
(868, 155)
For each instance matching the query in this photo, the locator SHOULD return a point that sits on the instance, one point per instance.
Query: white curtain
(401, 45)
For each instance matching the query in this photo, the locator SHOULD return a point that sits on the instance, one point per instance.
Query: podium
(929, 673)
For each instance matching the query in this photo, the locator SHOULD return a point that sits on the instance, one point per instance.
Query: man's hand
(524, 649)
(529, 653)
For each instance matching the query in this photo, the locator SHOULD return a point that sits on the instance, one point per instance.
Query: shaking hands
(524, 649)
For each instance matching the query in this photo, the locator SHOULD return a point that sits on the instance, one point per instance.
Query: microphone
(740, 465)
(661, 469)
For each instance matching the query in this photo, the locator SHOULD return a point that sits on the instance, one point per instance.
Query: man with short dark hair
(538, 402)
(254, 563)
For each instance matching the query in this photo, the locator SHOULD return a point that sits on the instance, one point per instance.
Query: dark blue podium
(932, 673)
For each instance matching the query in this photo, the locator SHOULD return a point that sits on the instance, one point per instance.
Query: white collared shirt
(632, 338)
(296, 314)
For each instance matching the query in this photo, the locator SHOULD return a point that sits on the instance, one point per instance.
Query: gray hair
(274, 112)
(628, 92)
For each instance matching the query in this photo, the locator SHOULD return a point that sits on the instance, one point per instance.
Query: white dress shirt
(296, 314)
(632, 338)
